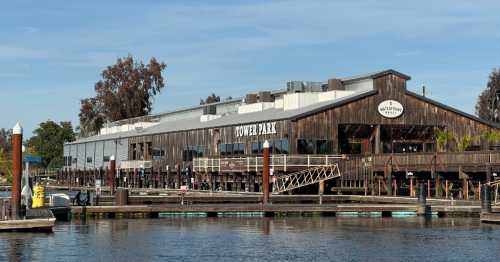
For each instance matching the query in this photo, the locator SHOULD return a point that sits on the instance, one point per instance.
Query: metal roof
(375, 75)
(227, 120)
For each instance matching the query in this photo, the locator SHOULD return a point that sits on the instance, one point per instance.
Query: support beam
(377, 140)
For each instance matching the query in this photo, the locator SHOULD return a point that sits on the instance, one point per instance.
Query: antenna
(423, 90)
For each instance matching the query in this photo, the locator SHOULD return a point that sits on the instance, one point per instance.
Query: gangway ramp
(287, 182)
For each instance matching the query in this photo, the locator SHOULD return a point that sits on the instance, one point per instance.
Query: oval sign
(390, 108)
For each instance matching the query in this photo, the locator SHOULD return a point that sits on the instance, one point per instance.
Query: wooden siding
(324, 125)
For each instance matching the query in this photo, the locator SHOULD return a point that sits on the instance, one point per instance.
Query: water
(258, 239)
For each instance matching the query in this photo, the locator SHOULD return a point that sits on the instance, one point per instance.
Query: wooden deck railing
(446, 161)
(254, 164)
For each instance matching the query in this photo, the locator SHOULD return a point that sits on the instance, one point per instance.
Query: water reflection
(257, 239)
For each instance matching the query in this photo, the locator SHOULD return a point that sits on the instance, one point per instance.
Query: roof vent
(335, 84)
(265, 96)
(251, 98)
(295, 86)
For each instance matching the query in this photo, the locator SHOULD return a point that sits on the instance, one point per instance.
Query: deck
(470, 161)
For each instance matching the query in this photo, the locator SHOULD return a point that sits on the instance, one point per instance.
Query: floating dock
(39, 220)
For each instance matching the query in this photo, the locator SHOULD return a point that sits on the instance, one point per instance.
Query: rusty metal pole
(17, 139)
(112, 174)
(265, 172)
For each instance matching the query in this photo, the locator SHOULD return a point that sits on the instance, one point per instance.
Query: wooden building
(386, 135)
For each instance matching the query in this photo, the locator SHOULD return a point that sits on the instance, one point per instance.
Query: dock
(269, 210)
(36, 220)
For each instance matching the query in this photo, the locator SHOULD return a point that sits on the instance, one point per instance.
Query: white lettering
(256, 129)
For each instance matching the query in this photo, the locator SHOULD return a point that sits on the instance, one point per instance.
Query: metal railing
(136, 164)
(305, 177)
(496, 188)
(254, 163)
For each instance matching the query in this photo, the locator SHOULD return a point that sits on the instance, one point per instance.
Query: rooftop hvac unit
(335, 84)
(265, 96)
(210, 110)
(295, 86)
(310, 86)
(251, 98)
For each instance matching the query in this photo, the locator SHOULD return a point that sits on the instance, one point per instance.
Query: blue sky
(52, 52)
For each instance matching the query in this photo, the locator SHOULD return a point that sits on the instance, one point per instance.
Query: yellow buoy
(38, 196)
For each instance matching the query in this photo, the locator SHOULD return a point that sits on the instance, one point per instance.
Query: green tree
(48, 142)
(5, 166)
(464, 143)
(443, 139)
(126, 90)
(488, 102)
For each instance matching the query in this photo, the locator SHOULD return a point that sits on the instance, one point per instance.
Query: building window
(106, 158)
(280, 146)
(305, 146)
(229, 149)
(134, 151)
(67, 161)
(89, 159)
(256, 148)
(284, 146)
(190, 152)
(239, 149)
(158, 153)
(324, 147)
(149, 149)
(222, 149)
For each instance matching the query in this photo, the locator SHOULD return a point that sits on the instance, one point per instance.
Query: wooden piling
(17, 139)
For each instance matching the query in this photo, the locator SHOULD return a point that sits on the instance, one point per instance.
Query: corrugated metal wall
(122, 151)
(90, 150)
(109, 149)
(80, 163)
(99, 154)
(73, 153)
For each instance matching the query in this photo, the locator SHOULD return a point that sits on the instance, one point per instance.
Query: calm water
(257, 239)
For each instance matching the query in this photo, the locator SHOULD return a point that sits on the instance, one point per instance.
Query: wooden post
(17, 139)
(428, 188)
(321, 191)
(112, 174)
(388, 179)
(378, 178)
(265, 172)
(377, 139)
(446, 188)
(411, 187)
(437, 186)
(466, 189)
